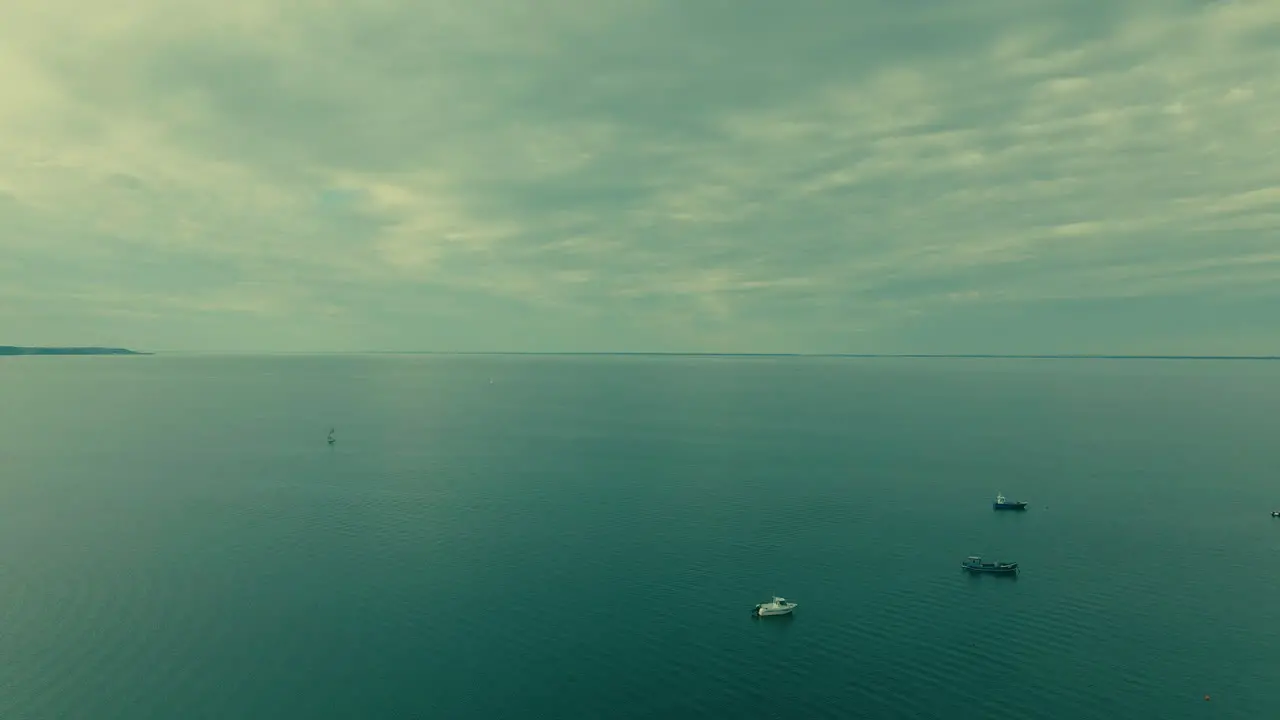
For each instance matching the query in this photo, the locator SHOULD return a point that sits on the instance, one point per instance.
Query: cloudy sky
(700, 175)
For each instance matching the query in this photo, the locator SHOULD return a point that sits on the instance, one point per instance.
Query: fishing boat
(974, 563)
(1002, 504)
(779, 606)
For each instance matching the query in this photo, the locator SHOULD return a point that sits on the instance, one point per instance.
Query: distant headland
(17, 350)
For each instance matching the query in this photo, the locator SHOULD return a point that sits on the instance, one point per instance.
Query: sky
(1006, 176)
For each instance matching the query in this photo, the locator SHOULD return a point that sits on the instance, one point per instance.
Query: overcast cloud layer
(869, 176)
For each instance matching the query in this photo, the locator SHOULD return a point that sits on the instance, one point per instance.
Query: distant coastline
(18, 350)
(898, 356)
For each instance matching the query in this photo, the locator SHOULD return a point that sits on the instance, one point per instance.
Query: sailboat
(332, 439)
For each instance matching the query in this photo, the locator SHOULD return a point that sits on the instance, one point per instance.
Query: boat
(1002, 504)
(779, 606)
(331, 438)
(1275, 513)
(974, 563)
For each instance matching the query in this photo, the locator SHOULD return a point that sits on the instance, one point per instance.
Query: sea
(585, 537)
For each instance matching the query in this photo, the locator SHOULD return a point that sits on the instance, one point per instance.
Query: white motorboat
(779, 606)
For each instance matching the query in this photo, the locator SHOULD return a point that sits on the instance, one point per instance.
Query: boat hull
(1009, 506)
(763, 611)
(998, 570)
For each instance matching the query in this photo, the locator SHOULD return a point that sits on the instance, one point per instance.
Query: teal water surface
(543, 537)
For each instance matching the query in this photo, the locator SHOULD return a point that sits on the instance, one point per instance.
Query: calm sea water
(584, 537)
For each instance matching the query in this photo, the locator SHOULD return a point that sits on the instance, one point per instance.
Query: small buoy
(1206, 698)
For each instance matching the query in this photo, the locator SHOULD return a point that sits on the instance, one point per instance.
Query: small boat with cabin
(974, 563)
(779, 606)
(1275, 513)
(1002, 504)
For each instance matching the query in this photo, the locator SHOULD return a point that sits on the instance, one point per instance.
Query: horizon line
(605, 353)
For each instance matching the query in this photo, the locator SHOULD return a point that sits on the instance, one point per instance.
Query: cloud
(608, 174)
